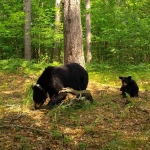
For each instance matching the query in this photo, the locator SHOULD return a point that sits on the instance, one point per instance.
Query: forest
(120, 30)
(119, 46)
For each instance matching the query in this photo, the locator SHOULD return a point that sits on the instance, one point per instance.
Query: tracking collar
(39, 86)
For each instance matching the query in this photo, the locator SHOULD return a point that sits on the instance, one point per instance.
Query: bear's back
(71, 75)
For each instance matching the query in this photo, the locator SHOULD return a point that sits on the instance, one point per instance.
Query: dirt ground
(110, 123)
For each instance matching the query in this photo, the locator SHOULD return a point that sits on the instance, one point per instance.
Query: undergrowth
(109, 123)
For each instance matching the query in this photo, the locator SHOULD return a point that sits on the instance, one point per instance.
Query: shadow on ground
(109, 123)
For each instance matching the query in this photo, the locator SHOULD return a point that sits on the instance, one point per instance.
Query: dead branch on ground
(74, 95)
(20, 114)
(24, 127)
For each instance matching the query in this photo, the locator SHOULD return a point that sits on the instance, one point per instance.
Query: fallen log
(75, 95)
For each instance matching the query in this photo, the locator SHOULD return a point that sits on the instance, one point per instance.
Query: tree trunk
(73, 48)
(57, 25)
(88, 32)
(27, 30)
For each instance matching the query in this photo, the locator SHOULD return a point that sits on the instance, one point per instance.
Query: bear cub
(129, 86)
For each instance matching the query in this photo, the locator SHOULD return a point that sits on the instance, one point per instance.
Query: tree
(73, 48)
(27, 30)
(88, 32)
(57, 25)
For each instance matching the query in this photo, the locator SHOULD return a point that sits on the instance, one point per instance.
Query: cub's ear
(129, 77)
(121, 78)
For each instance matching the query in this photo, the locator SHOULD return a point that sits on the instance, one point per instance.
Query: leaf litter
(109, 123)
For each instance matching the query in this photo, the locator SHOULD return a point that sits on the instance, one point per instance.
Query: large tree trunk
(57, 25)
(27, 37)
(88, 32)
(73, 48)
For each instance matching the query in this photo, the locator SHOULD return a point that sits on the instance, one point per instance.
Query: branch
(24, 127)
(79, 94)
(17, 118)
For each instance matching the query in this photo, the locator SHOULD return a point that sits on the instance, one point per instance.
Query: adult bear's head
(39, 96)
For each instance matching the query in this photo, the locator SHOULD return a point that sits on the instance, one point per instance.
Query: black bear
(129, 86)
(53, 79)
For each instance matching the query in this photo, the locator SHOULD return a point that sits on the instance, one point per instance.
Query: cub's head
(125, 80)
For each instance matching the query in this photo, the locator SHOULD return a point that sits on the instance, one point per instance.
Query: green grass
(20, 66)
(103, 72)
(107, 74)
(106, 125)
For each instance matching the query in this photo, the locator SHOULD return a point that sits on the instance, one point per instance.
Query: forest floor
(110, 123)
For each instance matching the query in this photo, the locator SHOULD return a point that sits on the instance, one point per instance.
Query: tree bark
(57, 25)
(27, 31)
(73, 48)
(88, 32)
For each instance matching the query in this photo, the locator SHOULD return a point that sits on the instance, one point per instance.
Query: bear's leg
(124, 90)
(57, 98)
(135, 93)
(124, 94)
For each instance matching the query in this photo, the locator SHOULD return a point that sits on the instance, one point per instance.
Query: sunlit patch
(108, 125)
(36, 105)
(73, 133)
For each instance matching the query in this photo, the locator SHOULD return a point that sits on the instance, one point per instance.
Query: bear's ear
(129, 77)
(121, 78)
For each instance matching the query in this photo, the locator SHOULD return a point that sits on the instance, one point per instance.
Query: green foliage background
(120, 30)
